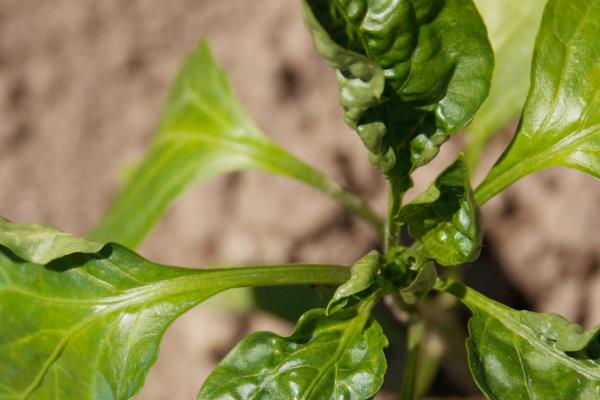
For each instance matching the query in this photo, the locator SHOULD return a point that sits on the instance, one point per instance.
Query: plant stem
(432, 352)
(272, 275)
(414, 338)
(392, 228)
(285, 163)
(358, 206)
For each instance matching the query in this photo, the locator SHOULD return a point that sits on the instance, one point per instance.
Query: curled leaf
(421, 284)
(445, 219)
(41, 244)
(410, 72)
(362, 276)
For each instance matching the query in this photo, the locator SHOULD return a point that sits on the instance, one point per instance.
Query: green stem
(392, 230)
(358, 206)
(432, 352)
(414, 338)
(269, 275)
(465, 294)
(156, 185)
(284, 163)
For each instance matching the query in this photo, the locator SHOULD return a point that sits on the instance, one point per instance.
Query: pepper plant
(83, 318)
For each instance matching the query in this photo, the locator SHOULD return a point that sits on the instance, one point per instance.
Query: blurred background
(81, 88)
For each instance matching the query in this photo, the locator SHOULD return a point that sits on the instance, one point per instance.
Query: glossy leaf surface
(410, 72)
(339, 356)
(88, 326)
(524, 355)
(445, 219)
(203, 132)
(512, 26)
(363, 274)
(561, 119)
(42, 244)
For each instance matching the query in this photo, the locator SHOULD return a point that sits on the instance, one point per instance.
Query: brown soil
(81, 85)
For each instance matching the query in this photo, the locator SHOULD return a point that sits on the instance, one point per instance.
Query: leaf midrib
(549, 155)
(194, 285)
(501, 314)
(129, 298)
(354, 329)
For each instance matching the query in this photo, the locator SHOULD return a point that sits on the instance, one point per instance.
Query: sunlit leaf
(445, 219)
(88, 326)
(561, 119)
(410, 72)
(363, 274)
(511, 26)
(524, 355)
(203, 132)
(339, 356)
(42, 244)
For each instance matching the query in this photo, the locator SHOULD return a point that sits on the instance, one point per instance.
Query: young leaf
(339, 356)
(524, 355)
(445, 219)
(561, 119)
(362, 276)
(42, 244)
(511, 26)
(203, 132)
(89, 325)
(410, 73)
(422, 283)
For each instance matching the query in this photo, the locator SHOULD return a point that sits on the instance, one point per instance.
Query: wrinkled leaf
(42, 244)
(339, 356)
(516, 355)
(88, 326)
(410, 72)
(568, 336)
(422, 284)
(561, 119)
(203, 132)
(362, 276)
(511, 26)
(445, 219)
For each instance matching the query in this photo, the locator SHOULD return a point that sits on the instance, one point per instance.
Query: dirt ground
(81, 86)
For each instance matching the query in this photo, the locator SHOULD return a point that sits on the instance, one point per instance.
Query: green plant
(83, 319)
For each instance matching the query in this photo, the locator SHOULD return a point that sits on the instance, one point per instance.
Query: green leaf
(42, 244)
(203, 132)
(445, 219)
(88, 326)
(339, 356)
(561, 119)
(569, 337)
(362, 277)
(511, 26)
(524, 355)
(421, 284)
(410, 72)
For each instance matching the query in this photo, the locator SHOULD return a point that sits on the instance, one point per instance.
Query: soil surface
(81, 86)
